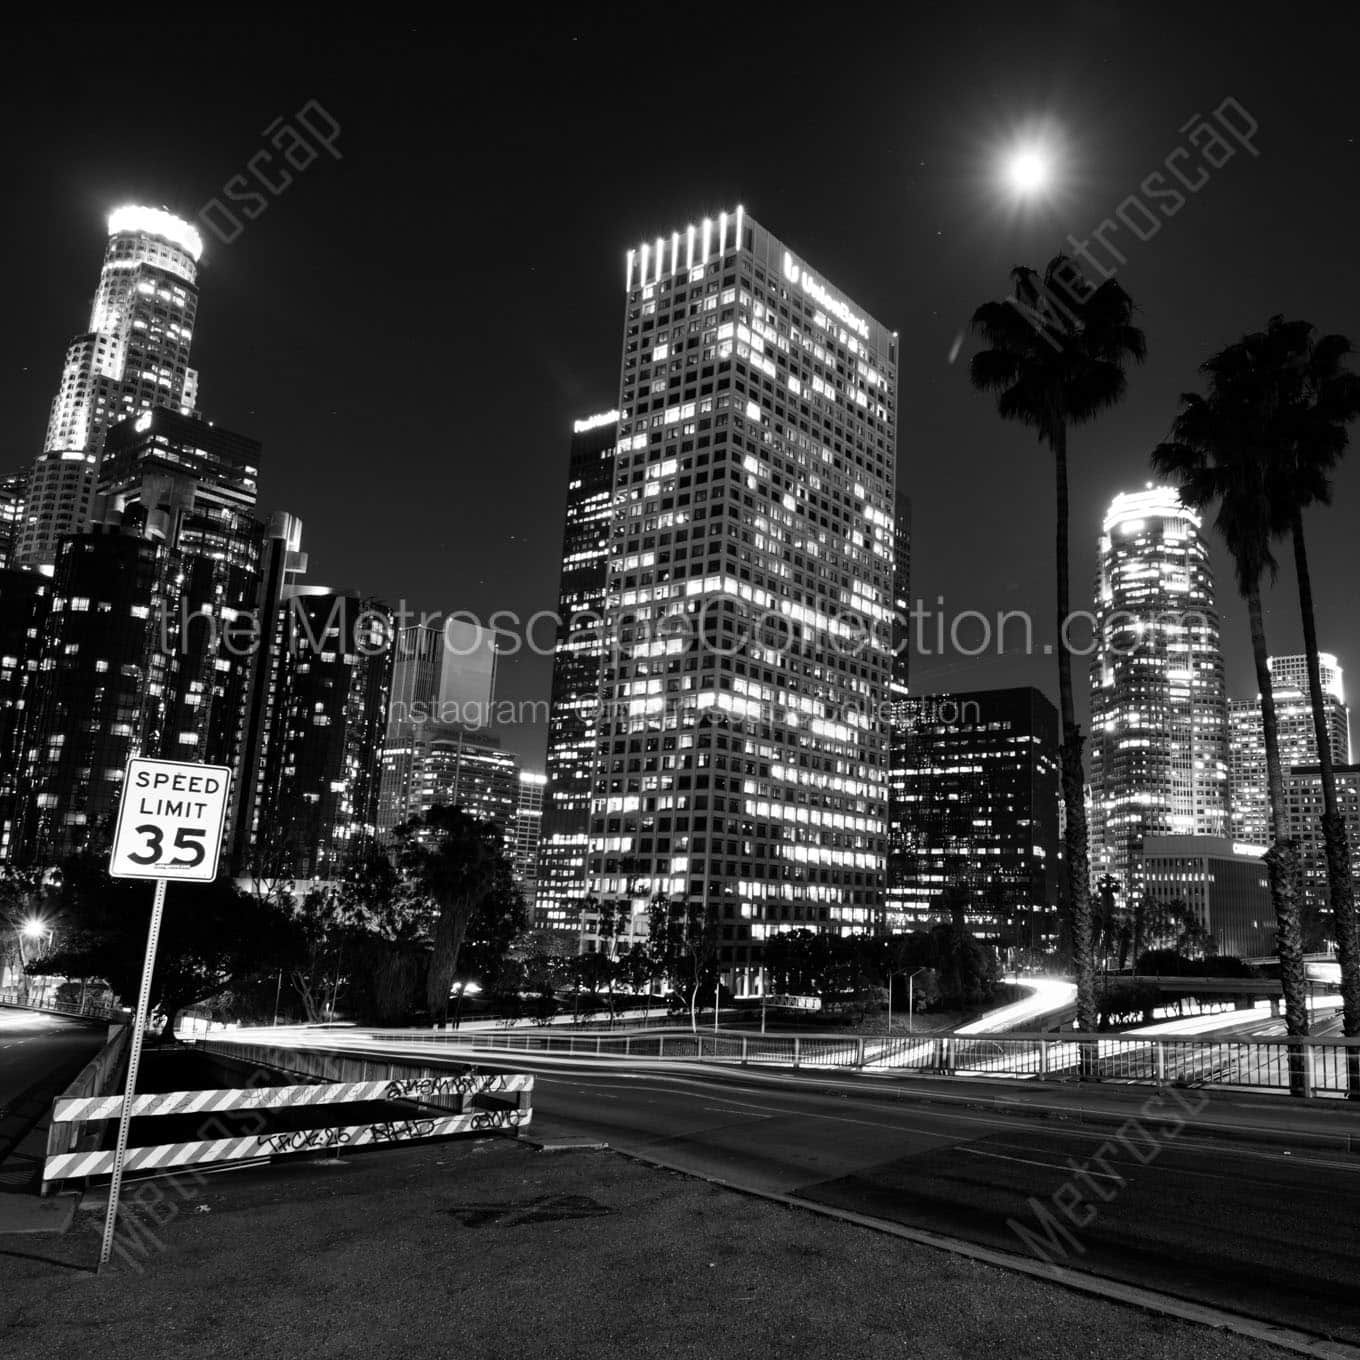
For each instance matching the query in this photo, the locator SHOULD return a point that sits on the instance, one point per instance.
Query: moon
(1029, 171)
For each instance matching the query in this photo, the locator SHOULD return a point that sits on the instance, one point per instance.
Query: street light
(911, 1008)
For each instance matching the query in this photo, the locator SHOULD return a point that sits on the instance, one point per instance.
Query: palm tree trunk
(1282, 860)
(1073, 776)
(1340, 887)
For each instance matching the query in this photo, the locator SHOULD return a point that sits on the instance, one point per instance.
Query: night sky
(412, 328)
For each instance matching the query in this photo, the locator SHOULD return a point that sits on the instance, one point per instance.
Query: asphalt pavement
(39, 1054)
(1179, 1205)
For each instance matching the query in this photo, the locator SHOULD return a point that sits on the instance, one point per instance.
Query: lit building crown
(157, 222)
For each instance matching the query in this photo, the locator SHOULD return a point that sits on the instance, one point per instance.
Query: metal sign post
(170, 820)
(134, 1061)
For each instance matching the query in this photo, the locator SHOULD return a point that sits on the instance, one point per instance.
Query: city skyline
(895, 260)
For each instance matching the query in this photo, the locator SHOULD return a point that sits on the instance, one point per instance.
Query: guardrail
(1262, 1064)
(15, 996)
(94, 1081)
(435, 1103)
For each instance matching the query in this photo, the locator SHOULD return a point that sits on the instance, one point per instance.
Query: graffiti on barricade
(496, 1119)
(454, 1085)
(396, 1131)
(301, 1140)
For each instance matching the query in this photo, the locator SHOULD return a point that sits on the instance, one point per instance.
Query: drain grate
(541, 1209)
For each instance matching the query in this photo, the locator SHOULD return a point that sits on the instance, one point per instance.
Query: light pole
(911, 1008)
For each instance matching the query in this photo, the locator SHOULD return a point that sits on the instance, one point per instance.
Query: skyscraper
(315, 795)
(578, 651)
(974, 815)
(1297, 738)
(741, 754)
(443, 683)
(133, 356)
(1159, 717)
(526, 831)
(24, 600)
(13, 490)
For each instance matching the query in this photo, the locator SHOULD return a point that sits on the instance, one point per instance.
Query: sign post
(170, 820)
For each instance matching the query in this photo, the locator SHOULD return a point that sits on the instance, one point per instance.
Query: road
(1264, 1230)
(1258, 1228)
(39, 1054)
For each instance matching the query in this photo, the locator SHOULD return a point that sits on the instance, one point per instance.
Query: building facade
(1297, 738)
(25, 597)
(578, 651)
(1223, 882)
(974, 815)
(526, 832)
(1159, 713)
(443, 680)
(13, 493)
(133, 356)
(1303, 822)
(741, 757)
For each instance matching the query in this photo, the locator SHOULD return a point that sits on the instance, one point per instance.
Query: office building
(1297, 738)
(741, 758)
(443, 679)
(1303, 822)
(1225, 884)
(101, 688)
(974, 815)
(13, 490)
(24, 600)
(1159, 714)
(315, 800)
(468, 770)
(133, 356)
(579, 646)
(526, 832)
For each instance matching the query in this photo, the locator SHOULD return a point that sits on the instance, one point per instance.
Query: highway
(1267, 1229)
(39, 1054)
(1270, 1231)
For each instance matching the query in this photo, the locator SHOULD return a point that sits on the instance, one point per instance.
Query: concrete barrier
(95, 1081)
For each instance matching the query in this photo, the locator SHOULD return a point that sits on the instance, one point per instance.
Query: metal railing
(91, 1010)
(1233, 1061)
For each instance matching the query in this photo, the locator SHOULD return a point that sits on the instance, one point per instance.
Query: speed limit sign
(170, 820)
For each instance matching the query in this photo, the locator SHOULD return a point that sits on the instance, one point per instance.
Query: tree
(684, 945)
(1225, 451)
(1057, 353)
(1323, 397)
(456, 862)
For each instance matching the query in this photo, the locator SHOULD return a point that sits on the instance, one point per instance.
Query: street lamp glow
(1029, 171)
(34, 929)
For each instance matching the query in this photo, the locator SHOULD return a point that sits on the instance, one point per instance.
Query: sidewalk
(490, 1249)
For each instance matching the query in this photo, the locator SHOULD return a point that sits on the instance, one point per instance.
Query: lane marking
(1051, 1166)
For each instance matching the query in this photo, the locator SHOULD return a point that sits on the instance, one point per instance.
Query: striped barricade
(440, 1104)
(255, 1146)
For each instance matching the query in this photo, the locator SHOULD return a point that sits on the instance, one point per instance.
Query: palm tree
(1223, 451)
(1324, 398)
(1056, 356)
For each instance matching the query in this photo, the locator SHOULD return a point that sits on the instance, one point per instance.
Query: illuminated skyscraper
(577, 656)
(133, 356)
(526, 831)
(13, 490)
(974, 815)
(1298, 739)
(1159, 716)
(741, 754)
(443, 683)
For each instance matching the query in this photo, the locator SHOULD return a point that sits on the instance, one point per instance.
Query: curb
(1134, 1296)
